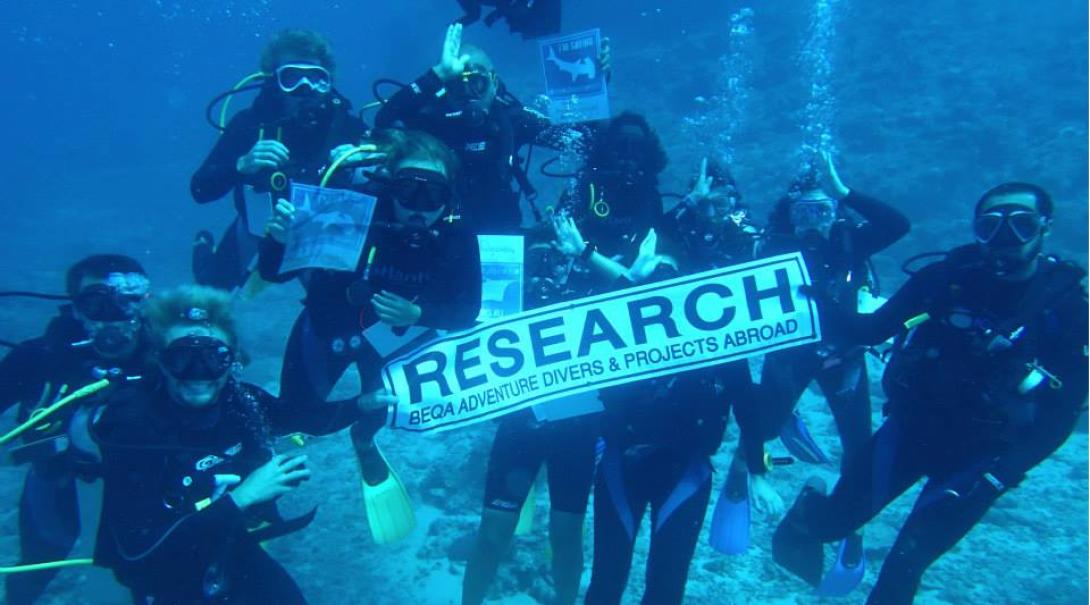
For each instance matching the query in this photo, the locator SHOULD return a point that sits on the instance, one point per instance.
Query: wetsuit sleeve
(910, 301)
(270, 254)
(218, 175)
(1059, 410)
(310, 417)
(884, 224)
(456, 300)
(531, 126)
(21, 376)
(409, 100)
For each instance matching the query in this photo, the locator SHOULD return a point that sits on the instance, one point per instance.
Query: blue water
(928, 103)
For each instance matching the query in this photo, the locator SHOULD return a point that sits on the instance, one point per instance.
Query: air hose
(38, 417)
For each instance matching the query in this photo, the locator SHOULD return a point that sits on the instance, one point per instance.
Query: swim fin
(793, 548)
(526, 514)
(730, 521)
(389, 511)
(847, 571)
(798, 440)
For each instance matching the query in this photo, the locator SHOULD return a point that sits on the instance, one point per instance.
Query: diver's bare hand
(273, 479)
(605, 59)
(568, 238)
(452, 62)
(280, 222)
(765, 498)
(703, 186)
(395, 310)
(380, 399)
(648, 259)
(265, 155)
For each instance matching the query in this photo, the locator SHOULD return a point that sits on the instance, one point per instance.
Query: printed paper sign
(329, 230)
(501, 275)
(605, 340)
(258, 210)
(576, 87)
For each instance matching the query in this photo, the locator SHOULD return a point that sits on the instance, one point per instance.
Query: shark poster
(329, 228)
(575, 85)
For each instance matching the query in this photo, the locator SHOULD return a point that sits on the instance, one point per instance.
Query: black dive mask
(197, 358)
(419, 190)
(103, 303)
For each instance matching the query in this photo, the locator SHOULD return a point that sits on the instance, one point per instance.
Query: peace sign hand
(452, 62)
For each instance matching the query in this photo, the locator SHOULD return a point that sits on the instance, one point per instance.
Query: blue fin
(730, 521)
(798, 440)
(847, 571)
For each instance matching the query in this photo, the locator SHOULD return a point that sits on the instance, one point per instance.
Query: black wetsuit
(702, 245)
(659, 436)
(167, 531)
(566, 447)
(838, 266)
(309, 138)
(439, 269)
(488, 151)
(955, 411)
(48, 513)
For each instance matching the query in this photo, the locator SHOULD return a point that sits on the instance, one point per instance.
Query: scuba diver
(712, 224)
(462, 102)
(99, 335)
(189, 465)
(421, 272)
(561, 435)
(711, 228)
(616, 197)
(987, 377)
(660, 434)
(818, 218)
(531, 18)
(284, 137)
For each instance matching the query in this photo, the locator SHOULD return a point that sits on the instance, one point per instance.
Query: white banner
(605, 340)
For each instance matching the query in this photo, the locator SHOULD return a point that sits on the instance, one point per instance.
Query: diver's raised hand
(394, 310)
(648, 259)
(271, 480)
(266, 154)
(830, 179)
(283, 216)
(452, 62)
(568, 238)
(703, 186)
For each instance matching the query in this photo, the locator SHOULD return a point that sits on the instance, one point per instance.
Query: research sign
(572, 347)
